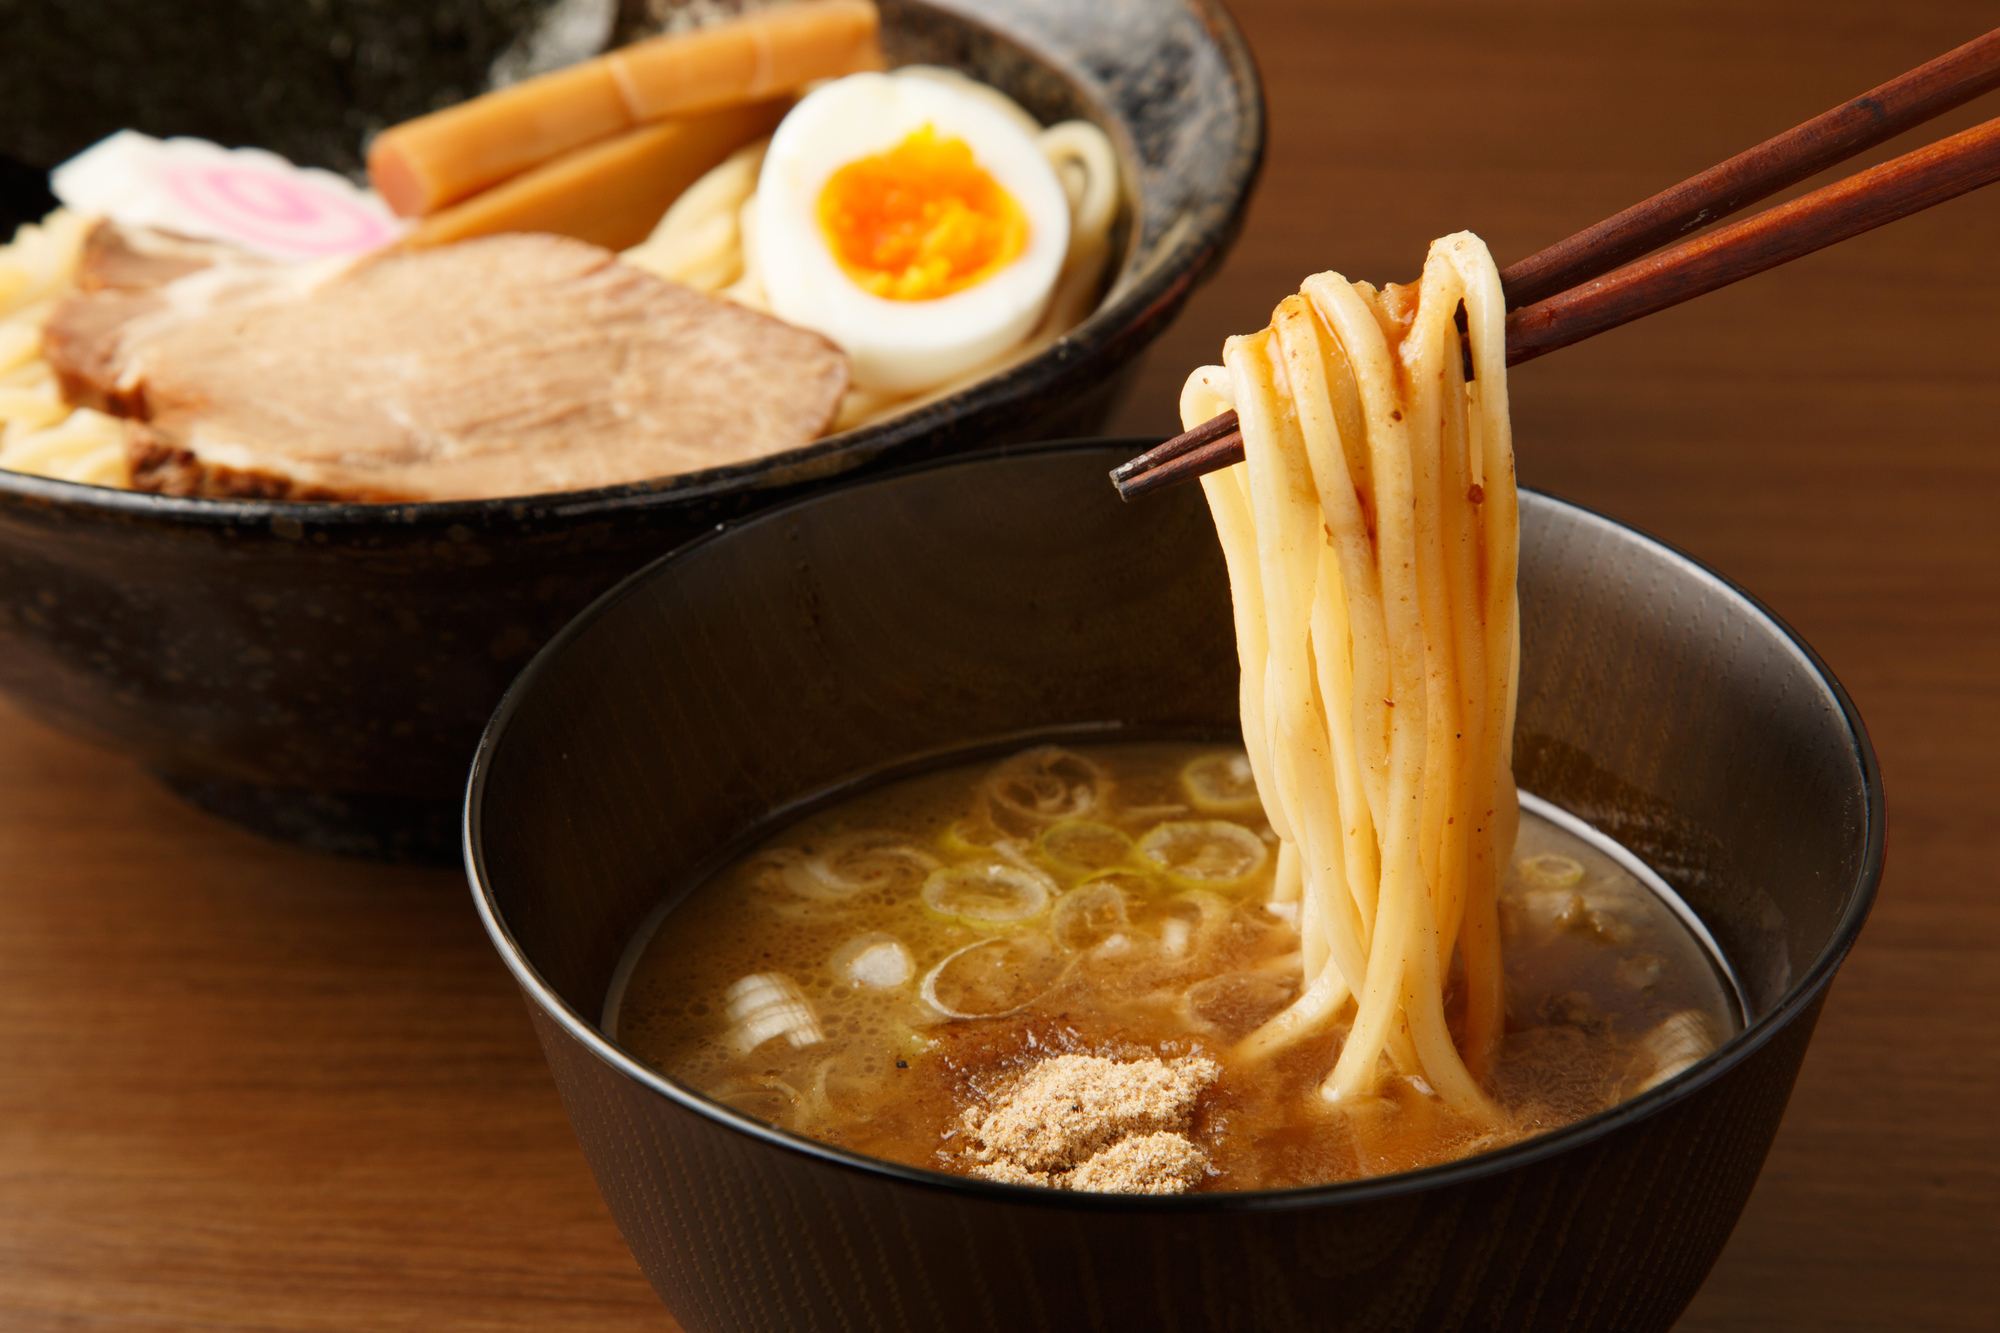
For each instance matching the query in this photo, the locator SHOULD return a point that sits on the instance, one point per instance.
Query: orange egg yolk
(921, 220)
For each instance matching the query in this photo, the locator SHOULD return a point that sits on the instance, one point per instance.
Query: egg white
(902, 346)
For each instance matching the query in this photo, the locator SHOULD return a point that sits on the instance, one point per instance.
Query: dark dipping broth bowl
(1009, 595)
(321, 672)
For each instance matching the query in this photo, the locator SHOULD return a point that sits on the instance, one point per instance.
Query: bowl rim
(1172, 275)
(1803, 992)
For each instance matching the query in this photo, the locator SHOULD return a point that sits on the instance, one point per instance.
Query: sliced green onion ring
(873, 961)
(970, 837)
(992, 977)
(1238, 1002)
(854, 863)
(1550, 870)
(1222, 783)
(764, 1096)
(1203, 854)
(1088, 915)
(1081, 846)
(1135, 883)
(987, 893)
(766, 1005)
(1043, 786)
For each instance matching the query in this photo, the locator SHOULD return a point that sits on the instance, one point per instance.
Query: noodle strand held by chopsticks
(1285, 509)
(1371, 539)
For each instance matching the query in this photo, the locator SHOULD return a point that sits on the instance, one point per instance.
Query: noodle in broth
(1371, 536)
(1148, 969)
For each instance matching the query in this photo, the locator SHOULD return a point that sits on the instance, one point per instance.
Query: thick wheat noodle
(1430, 417)
(1329, 629)
(1314, 948)
(1331, 637)
(1264, 664)
(39, 432)
(1287, 884)
(1251, 371)
(1371, 541)
(1481, 628)
(1239, 552)
(1500, 616)
(1345, 493)
(1284, 509)
(1344, 627)
(1430, 352)
(1324, 998)
(1379, 990)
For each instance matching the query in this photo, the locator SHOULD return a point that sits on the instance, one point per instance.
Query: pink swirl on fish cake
(272, 209)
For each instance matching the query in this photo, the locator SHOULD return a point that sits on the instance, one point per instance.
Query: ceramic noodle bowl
(1012, 594)
(321, 672)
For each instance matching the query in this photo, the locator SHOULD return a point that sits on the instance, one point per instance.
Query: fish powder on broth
(885, 973)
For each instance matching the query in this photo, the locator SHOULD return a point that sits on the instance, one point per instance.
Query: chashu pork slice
(124, 286)
(507, 365)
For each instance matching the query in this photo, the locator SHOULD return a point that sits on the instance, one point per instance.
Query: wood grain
(247, 1088)
(1873, 117)
(1919, 179)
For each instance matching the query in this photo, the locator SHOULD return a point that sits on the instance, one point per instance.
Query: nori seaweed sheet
(24, 196)
(309, 79)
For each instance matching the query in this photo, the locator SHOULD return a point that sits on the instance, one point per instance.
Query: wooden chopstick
(1224, 448)
(1180, 446)
(1862, 202)
(1876, 116)
(1701, 264)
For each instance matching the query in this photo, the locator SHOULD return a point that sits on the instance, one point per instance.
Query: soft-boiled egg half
(914, 224)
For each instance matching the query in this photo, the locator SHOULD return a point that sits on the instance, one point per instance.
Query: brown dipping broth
(1123, 955)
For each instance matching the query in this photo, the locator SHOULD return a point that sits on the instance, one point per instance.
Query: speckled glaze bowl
(1012, 594)
(321, 672)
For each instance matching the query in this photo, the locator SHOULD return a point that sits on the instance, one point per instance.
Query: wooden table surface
(243, 1087)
